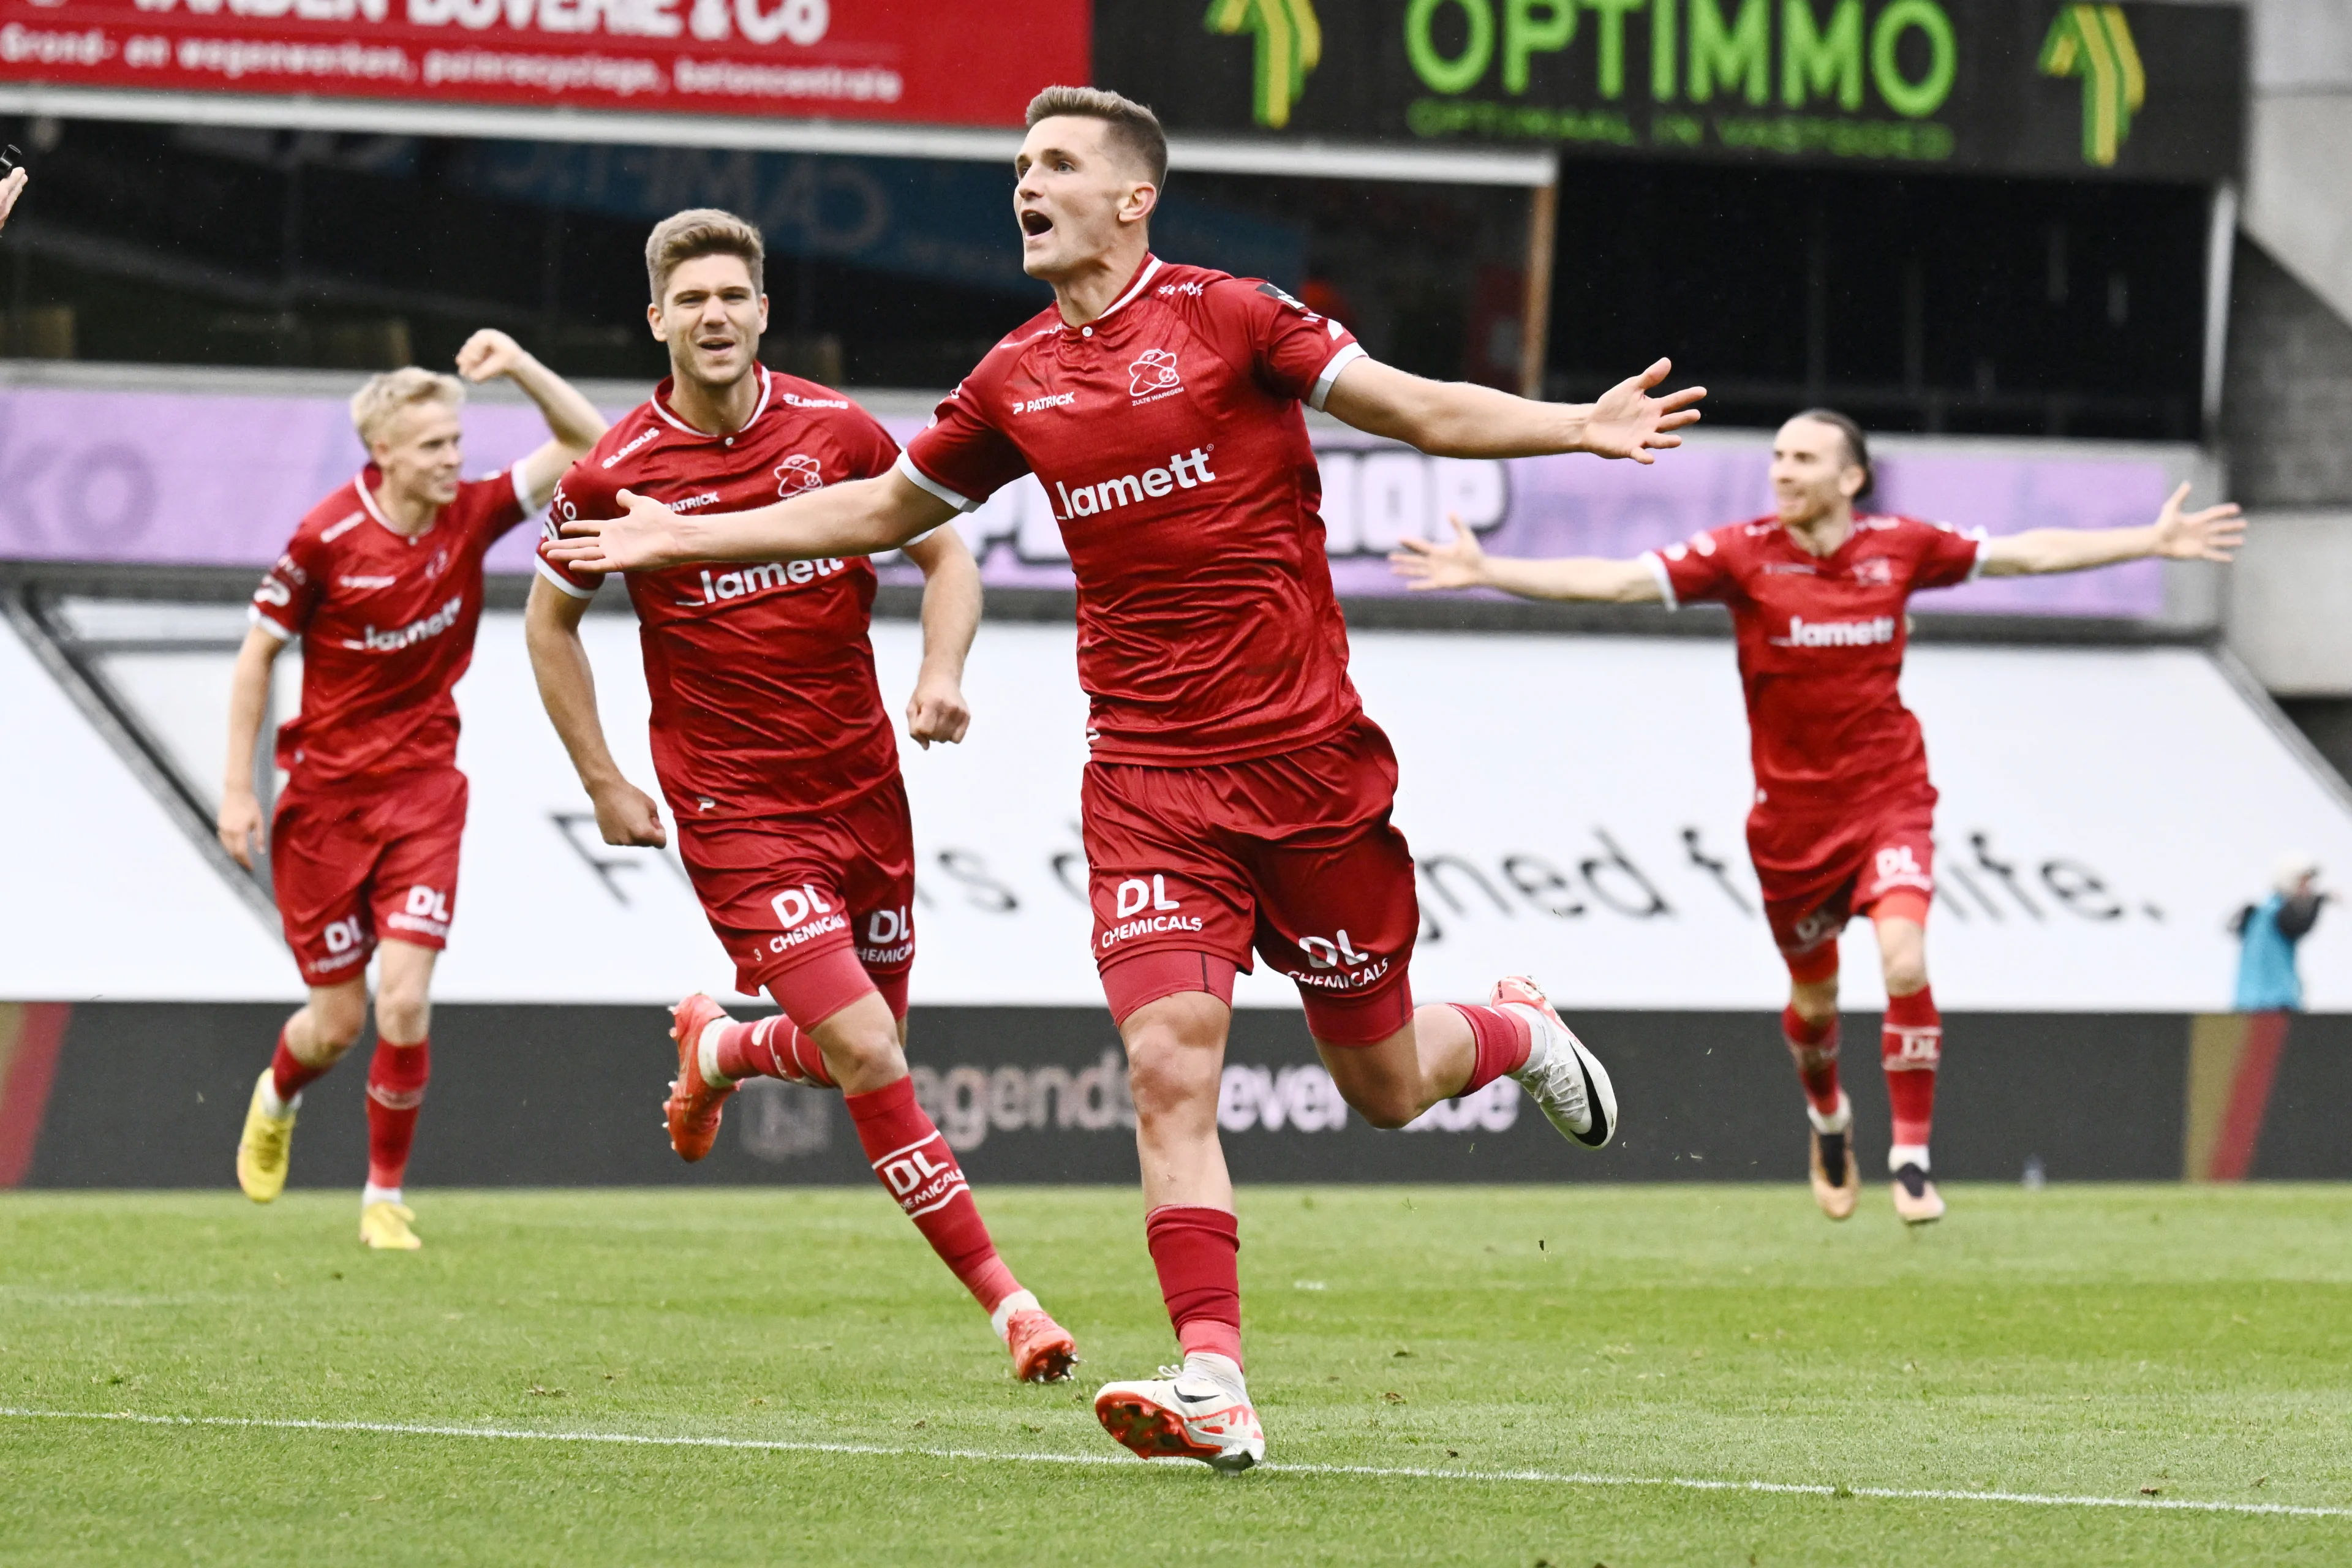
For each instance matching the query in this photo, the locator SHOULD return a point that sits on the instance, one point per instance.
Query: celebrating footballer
(1843, 821)
(1237, 798)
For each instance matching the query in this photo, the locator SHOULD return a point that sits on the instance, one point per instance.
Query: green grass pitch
(2084, 1343)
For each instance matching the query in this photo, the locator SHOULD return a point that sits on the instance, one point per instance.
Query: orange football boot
(693, 1108)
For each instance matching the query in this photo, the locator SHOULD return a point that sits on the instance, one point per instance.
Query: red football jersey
(764, 699)
(1168, 432)
(1820, 646)
(387, 624)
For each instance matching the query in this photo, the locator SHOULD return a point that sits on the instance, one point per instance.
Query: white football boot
(1561, 1076)
(1200, 1410)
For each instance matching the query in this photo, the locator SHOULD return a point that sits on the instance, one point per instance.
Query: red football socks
(916, 1166)
(1910, 1049)
(395, 1088)
(1198, 1254)
(773, 1048)
(1503, 1041)
(1815, 1048)
(287, 1075)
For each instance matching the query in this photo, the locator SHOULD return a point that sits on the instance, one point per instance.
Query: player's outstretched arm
(571, 418)
(859, 517)
(567, 687)
(2213, 534)
(1462, 563)
(10, 189)
(1458, 419)
(242, 831)
(937, 711)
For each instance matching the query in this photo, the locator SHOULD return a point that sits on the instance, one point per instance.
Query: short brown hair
(702, 231)
(375, 405)
(1134, 128)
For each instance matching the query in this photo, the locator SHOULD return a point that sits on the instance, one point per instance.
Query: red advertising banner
(937, 62)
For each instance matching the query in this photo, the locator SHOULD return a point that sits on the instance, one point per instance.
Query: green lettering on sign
(1661, 50)
(1531, 27)
(2094, 42)
(1460, 72)
(1289, 44)
(1811, 60)
(1913, 100)
(1737, 55)
(1610, 50)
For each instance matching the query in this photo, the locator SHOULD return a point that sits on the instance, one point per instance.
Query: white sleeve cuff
(1665, 580)
(1349, 355)
(558, 578)
(1977, 567)
(253, 613)
(923, 482)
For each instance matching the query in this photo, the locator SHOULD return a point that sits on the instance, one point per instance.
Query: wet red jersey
(1820, 646)
(764, 699)
(387, 624)
(1168, 434)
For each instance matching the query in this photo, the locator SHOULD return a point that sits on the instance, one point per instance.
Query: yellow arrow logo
(1289, 44)
(2094, 42)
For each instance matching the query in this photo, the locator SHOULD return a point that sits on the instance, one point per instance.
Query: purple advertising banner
(189, 478)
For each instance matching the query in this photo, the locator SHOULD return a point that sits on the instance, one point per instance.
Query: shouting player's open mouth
(1035, 223)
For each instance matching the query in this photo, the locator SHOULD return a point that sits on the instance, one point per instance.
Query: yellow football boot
(265, 1147)
(384, 1225)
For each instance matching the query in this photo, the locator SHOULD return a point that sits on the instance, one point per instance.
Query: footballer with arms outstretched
(1236, 795)
(773, 745)
(383, 583)
(1844, 812)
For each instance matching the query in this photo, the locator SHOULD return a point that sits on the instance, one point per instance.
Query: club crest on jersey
(1877, 571)
(799, 474)
(1153, 375)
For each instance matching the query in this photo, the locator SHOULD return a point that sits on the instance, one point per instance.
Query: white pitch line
(1384, 1472)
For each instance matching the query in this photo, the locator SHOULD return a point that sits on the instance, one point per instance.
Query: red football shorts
(354, 864)
(1818, 872)
(816, 909)
(1292, 855)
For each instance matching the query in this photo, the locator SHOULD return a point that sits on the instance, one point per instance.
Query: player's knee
(335, 1025)
(404, 1016)
(1815, 1004)
(1906, 972)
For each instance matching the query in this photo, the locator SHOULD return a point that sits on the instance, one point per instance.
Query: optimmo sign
(2021, 86)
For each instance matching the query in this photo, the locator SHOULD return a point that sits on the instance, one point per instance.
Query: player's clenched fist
(936, 712)
(10, 189)
(489, 354)
(239, 825)
(627, 815)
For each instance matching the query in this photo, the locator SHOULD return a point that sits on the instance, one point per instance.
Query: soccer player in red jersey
(1236, 797)
(383, 583)
(1842, 819)
(773, 745)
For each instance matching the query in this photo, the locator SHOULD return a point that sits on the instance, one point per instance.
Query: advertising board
(921, 61)
(2028, 87)
(189, 478)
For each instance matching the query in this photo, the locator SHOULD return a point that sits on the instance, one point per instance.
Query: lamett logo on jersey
(798, 474)
(1837, 633)
(432, 625)
(1153, 375)
(759, 580)
(1189, 471)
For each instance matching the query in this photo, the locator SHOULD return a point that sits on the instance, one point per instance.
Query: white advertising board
(1575, 805)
